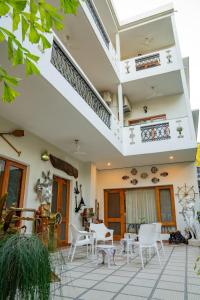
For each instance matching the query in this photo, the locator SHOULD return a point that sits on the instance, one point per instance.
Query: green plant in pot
(25, 269)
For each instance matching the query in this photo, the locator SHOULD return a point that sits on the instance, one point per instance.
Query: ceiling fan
(77, 147)
(154, 93)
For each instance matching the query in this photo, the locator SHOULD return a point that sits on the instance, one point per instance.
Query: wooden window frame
(5, 180)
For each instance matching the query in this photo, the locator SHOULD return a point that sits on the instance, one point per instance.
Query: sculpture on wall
(44, 189)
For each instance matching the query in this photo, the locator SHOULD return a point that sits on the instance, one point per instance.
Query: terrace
(175, 279)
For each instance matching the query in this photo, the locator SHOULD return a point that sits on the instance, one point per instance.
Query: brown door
(12, 181)
(60, 203)
(114, 213)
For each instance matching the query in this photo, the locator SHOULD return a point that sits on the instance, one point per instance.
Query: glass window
(165, 205)
(2, 169)
(14, 186)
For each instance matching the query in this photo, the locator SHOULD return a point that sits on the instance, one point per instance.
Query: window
(12, 181)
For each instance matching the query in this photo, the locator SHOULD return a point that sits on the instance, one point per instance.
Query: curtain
(140, 206)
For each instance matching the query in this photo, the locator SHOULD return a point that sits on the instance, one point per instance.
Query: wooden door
(114, 212)
(60, 203)
(12, 181)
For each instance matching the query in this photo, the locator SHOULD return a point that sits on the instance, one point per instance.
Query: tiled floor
(174, 280)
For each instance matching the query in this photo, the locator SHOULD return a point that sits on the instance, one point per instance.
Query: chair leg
(70, 251)
(87, 249)
(157, 253)
(141, 258)
(72, 257)
(161, 242)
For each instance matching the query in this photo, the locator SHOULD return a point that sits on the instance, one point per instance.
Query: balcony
(159, 136)
(151, 64)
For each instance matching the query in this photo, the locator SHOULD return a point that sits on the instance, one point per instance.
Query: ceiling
(146, 38)
(83, 44)
(163, 85)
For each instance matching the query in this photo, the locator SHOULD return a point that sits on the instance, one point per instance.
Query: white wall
(173, 106)
(179, 174)
(32, 147)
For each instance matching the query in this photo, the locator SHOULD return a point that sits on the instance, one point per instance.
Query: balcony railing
(155, 132)
(147, 62)
(98, 22)
(67, 69)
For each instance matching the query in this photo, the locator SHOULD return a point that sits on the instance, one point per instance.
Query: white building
(122, 90)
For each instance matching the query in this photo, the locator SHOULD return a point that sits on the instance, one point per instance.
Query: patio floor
(176, 279)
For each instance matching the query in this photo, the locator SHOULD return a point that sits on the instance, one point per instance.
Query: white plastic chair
(100, 231)
(79, 238)
(158, 235)
(147, 240)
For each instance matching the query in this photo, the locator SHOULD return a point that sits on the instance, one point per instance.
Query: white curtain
(140, 206)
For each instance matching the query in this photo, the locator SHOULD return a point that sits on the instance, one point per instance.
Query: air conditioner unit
(107, 96)
(126, 105)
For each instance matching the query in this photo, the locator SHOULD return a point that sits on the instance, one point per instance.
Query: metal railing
(98, 22)
(155, 132)
(67, 69)
(147, 62)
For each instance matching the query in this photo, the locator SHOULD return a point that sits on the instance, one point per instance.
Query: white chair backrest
(129, 235)
(158, 231)
(147, 234)
(100, 230)
(75, 233)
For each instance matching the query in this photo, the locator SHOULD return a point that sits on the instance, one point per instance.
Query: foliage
(35, 19)
(25, 270)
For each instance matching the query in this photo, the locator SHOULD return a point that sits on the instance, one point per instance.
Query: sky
(188, 26)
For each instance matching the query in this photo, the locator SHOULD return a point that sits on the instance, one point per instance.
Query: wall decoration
(44, 189)
(134, 171)
(164, 174)
(155, 180)
(15, 133)
(78, 191)
(63, 166)
(154, 170)
(134, 181)
(132, 135)
(125, 177)
(145, 108)
(169, 56)
(144, 175)
(180, 129)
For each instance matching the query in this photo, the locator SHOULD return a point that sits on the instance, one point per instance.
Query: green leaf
(11, 79)
(2, 36)
(45, 42)
(16, 20)
(18, 57)
(69, 6)
(25, 26)
(9, 94)
(4, 8)
(20, 5)
(33, 7)
(33, 57)
(34, 36)
(31, 68)
(10, 48)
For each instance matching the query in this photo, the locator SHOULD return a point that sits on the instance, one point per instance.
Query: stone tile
(193, 297)
(117, 279)
(123, 273)
(70, 291)
(85, 283)
(172, 278)
(97, 295)
(102, 271)
(84, 269)
(194, 288)
(136, 290)
(75, 274)
(109, 286)
(180, 273)
(93, 276)
(143, 282)
(194, 280)
(147, 275)
(175, 286)
(60, 298)
(129, 297)
(167, 295)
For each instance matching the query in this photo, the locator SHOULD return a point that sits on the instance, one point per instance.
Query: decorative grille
(157, 132)
(147, 62)
(98, 22)
(64, 65)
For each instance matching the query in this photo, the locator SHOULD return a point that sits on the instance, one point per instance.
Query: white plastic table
(108, 250)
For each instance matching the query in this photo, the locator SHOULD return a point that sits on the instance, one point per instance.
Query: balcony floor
(175, 280)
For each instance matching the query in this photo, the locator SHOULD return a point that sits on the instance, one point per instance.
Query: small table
(108, 250)
(127, 246)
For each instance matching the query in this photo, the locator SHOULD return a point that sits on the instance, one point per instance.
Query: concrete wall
(179, 174)
(32, 147)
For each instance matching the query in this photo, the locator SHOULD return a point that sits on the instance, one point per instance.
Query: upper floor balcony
(144, 66)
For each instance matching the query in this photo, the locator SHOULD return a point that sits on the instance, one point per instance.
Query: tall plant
(25, 271)
(35, 18)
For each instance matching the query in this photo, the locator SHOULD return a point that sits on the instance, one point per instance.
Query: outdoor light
(171, 157)
(45, 156)
(145, 108)
(108, 164)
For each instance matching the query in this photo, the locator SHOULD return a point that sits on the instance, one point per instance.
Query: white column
(120, 105)
(118, 50)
